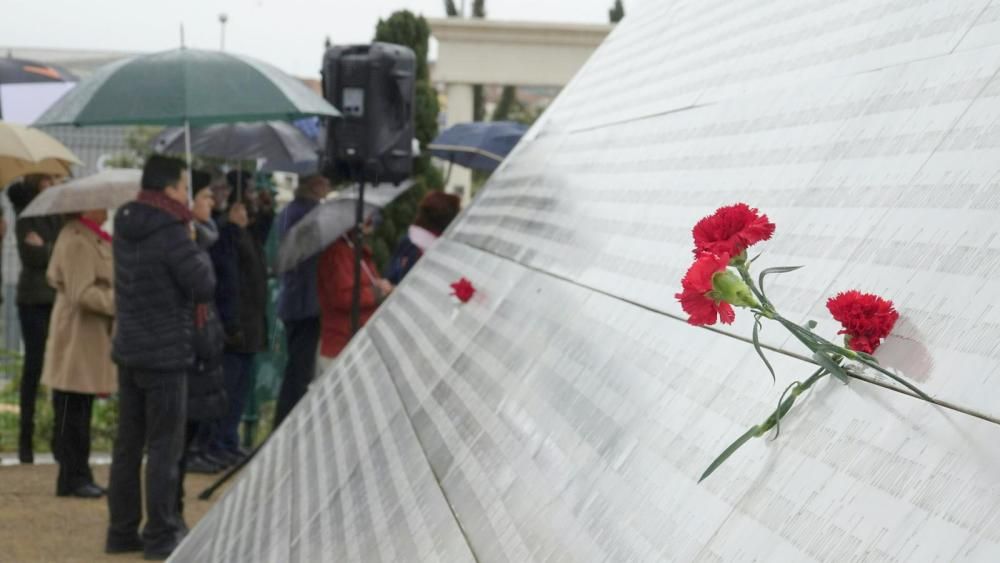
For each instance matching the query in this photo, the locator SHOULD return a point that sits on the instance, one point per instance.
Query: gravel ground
(35, 525)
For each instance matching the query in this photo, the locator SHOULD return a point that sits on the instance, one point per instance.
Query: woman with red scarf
(436, 211)
(78, 363)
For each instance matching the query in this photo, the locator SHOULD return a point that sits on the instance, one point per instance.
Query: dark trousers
(34, 332)
(236, 368)
(152, 416)
(190, 431)
(303, 339)
(71, 439)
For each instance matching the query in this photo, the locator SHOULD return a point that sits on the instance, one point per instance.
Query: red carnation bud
(463, 290)
(867, 319)
(731, 230)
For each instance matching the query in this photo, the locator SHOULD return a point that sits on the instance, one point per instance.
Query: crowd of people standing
(169, 313)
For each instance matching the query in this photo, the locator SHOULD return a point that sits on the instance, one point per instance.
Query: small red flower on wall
(463, 290)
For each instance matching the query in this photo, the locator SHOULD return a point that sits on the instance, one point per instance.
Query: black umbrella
(37, 85)
(480, 145)
(21, 71)
(282, 145)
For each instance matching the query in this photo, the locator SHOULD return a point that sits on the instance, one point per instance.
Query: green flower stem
(766, 309)
(786, 405)
(772, 421)
(827, 354)
(815, 343)
(821, 345)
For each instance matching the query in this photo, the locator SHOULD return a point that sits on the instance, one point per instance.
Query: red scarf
(161, 201)
(101, 233)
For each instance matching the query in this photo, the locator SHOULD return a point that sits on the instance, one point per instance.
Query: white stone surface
(566, 413)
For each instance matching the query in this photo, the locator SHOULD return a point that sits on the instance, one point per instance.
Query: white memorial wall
(567, 411)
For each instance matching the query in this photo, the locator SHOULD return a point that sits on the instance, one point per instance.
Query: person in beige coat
(78, 362)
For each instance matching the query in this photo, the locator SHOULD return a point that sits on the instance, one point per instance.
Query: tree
(507, 104)
(478, 99)
(405, 28)
(478, 103)
(617, 12)
(139, 145)
(450, 9)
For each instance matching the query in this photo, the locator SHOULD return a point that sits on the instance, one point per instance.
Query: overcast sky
(286, 33)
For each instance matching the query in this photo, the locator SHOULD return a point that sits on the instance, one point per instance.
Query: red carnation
(697, 283)
(463, 290)
(866, 318)
(730, 230)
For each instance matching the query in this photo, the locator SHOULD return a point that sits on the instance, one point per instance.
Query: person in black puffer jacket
(160, 274)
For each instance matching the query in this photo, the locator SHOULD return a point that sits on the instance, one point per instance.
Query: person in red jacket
(336, 286)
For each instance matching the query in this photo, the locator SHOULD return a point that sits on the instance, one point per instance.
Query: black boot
(25, 450)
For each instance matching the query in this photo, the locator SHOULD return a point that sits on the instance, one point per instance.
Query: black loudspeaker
(373, 86)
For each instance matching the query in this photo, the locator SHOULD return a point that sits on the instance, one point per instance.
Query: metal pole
(187, 153)
(359, 219)
(223, 18)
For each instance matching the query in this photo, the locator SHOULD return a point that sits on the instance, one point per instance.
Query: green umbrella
(186, 87)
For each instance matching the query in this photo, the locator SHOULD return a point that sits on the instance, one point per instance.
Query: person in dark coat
(241, 299)
(207, 402)
(160, 274)
(298, 302)
(206, 384)
(259, 204)
(36, 237)
(436, 211)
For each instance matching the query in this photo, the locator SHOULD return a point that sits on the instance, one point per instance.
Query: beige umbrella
(109, 189)
(24, 150)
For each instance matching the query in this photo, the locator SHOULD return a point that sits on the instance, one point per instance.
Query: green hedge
(104, 424)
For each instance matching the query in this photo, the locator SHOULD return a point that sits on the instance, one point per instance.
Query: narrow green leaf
(871, 362)
(760, 352)
(769, 271)
(728, 452)
(779, 413)
(754, 259)
(899, 380)
(831, 366)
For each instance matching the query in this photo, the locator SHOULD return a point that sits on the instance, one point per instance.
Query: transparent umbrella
(330, 220)
(109, 189)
